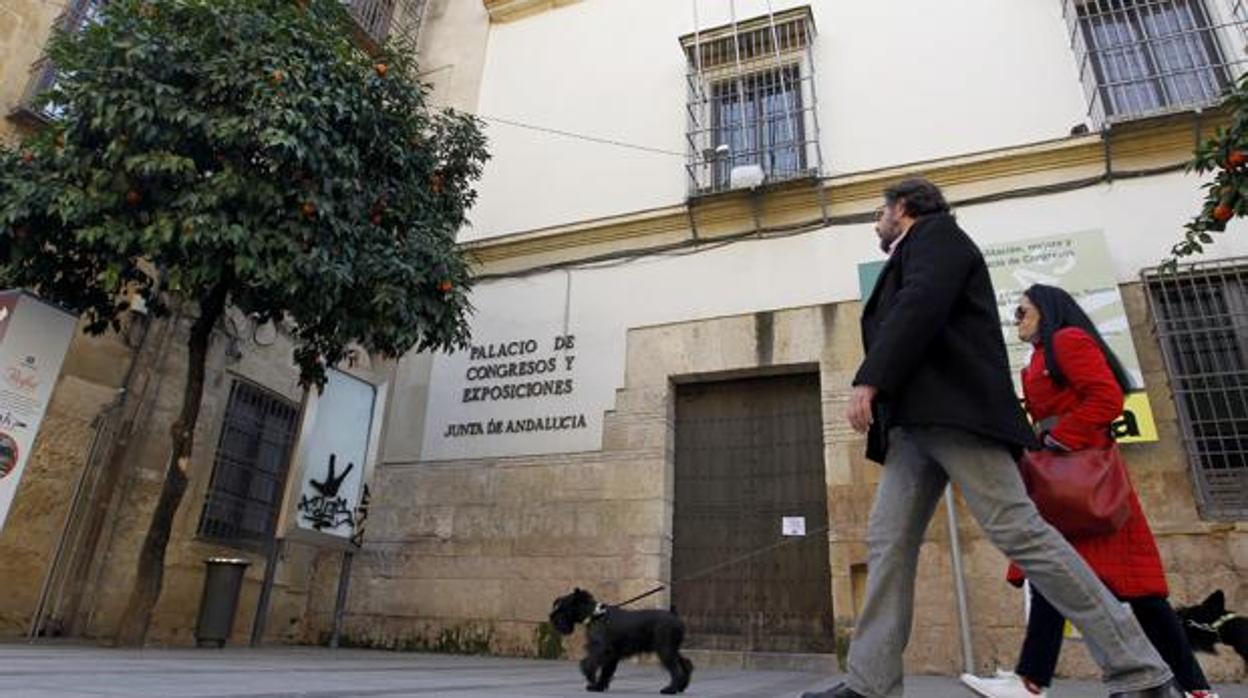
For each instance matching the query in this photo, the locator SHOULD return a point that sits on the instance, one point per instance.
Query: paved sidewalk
(81, 672)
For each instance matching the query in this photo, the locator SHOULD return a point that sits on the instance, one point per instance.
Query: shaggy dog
(615, 633)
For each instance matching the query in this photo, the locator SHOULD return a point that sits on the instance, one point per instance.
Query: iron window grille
(1200, 317)
(249, 468)
(1139, 58)
(751, 102)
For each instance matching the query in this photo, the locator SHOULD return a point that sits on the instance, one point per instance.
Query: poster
(327, 502)
(1079, 263)
(34, 338)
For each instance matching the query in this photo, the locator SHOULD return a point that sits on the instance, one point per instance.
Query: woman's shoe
(1004, 685)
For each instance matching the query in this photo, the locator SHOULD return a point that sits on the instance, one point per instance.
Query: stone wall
(174, 617)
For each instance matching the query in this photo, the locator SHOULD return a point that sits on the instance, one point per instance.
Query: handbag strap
(1048, 424)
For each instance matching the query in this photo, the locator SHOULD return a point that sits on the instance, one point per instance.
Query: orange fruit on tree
(1237, 158)
(308, 209)
(381, 69)
(133, 197)
(278, 76)
(1223, 213)
(445, 286)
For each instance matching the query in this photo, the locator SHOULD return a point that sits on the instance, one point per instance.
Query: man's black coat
(934, 343)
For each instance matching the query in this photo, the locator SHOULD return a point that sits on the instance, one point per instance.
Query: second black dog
(616, 633)
(1209, 623)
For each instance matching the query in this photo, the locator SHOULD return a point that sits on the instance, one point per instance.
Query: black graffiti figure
(329, 488)
(327, 509)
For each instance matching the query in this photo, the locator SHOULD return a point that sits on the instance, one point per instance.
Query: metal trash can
(222, 583)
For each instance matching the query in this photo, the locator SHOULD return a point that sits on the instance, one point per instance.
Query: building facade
(673, 240)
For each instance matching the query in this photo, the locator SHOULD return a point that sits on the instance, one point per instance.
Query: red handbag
(1083, 494)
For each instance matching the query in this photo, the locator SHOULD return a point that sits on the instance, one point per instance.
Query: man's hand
(859, 412)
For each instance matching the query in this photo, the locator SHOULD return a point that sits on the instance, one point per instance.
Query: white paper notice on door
(793, 525)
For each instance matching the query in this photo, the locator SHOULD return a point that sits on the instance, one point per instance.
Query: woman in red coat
(1073, 389)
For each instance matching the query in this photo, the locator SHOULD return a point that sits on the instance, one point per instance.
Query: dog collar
(599, 611)
(1213, 627)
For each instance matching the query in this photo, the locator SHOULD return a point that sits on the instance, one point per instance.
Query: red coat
(1127, 559)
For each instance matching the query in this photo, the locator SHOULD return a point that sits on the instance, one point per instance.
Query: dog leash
(715, 568)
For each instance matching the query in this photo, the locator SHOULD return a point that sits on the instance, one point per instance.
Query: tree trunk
(151, 568)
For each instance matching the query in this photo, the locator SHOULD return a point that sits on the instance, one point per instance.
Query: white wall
(1140, 219)
(898, 81)
(453, 37)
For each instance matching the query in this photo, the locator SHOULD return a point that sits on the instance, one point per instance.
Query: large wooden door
(749, 453)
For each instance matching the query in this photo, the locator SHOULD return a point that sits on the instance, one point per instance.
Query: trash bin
(223, 581)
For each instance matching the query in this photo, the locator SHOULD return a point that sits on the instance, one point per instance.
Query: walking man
(934, 397)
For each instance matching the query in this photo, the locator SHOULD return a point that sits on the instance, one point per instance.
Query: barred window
(1143, 57)
(751, 104)
(1201, 320)
(249, 470)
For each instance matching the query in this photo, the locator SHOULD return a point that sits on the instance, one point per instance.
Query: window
(1201, 319)
(751, 107)
(249, 470)
(77, 15)
(380, 20)
(1143, 57)
(763, 129)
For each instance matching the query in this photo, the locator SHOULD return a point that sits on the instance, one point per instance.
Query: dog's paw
(669, 690)
(595, 688)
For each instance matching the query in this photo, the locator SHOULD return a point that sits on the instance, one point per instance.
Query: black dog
(615, 633)
(1209, 623)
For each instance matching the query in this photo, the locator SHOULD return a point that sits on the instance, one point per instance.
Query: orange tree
(1225, 155)
(209, 153)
